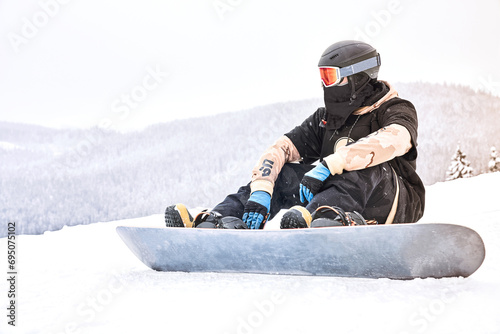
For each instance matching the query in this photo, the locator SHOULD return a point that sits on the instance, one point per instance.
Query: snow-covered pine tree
(494, 163)
(459, 167)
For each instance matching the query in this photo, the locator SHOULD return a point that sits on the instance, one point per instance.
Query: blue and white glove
(256, 209)
(312, 182)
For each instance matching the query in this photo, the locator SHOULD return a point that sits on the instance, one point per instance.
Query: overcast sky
(126, 64)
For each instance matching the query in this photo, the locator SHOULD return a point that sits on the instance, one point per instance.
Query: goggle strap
(360, 67)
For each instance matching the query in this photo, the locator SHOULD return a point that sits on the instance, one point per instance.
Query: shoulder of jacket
(396, 102)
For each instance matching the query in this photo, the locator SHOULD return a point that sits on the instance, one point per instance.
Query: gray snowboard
(382, 251)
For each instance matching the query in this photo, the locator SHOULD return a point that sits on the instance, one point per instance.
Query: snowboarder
(365, 143)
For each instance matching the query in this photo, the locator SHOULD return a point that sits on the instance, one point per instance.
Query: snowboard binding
(177, 215)
(327, 216)
(213, 219)
(324, 216)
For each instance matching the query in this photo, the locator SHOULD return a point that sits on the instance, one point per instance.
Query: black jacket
(314, 141)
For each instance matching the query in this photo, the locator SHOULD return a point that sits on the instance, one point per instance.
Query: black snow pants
(369, 191)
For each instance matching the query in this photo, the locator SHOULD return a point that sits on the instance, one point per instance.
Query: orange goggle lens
(330, 76)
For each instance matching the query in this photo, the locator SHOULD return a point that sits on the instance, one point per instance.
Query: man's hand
(312, 182)
(256, 209)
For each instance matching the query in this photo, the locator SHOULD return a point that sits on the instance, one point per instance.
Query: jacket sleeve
(383, 145)
(267, 169)
(308, 136)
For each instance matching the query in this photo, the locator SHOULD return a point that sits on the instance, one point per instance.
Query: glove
(256, 209)
(312, 182)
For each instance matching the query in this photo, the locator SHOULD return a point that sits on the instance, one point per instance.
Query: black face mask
(342, 101)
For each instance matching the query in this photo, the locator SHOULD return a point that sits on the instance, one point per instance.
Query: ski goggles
(332, 75)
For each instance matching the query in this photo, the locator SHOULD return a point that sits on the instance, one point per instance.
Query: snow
(83, 279)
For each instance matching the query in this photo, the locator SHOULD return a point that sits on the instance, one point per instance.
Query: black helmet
(346, 53)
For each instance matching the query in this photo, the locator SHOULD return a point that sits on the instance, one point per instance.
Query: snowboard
(404, 251)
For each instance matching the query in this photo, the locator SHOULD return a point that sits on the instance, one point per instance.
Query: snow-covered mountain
(83, 279)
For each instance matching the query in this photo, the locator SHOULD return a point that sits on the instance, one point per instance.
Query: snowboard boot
(296, 217)
(327, 216)
(178, 216)
(213, 219)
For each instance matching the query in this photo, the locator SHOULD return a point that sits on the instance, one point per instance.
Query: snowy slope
(83, 279)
